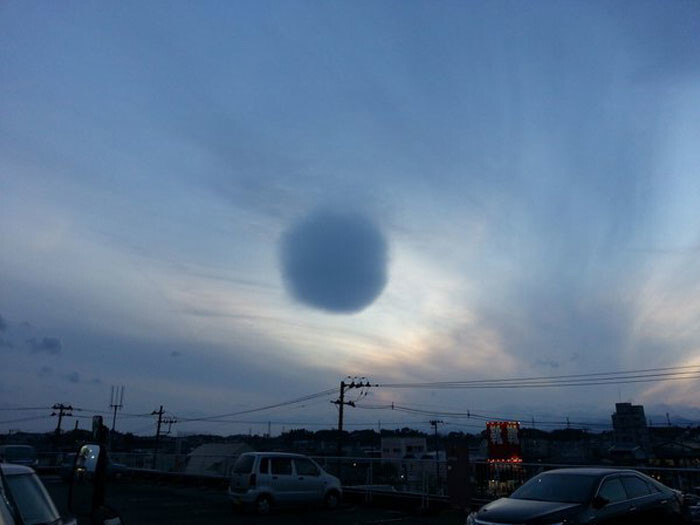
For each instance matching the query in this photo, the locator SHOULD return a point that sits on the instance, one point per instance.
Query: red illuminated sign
(504, 440)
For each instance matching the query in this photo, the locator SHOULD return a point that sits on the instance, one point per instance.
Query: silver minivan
(265, 479)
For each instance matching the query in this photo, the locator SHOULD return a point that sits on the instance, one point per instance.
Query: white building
(396, 447)
(214, 458)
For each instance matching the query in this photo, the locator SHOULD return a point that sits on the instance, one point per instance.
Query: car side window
(5, 514)
(281, 466)
(305, 467)
(612, 490)
(635, 487)
(264, 465)
(653, 488)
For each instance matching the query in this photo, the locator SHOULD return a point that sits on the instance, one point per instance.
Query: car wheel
(263, 505)
(332, 500)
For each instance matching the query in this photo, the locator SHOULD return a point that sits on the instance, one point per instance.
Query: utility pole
(62, 409)
(116, 402)
(169, 421)
(340, 402)
(435, 423)
(158, 413)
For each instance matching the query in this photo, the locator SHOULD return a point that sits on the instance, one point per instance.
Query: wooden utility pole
(62, 409)
(435, 423)
(158, 413)
(340, 402)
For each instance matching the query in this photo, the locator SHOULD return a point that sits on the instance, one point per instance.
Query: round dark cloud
(333, 261)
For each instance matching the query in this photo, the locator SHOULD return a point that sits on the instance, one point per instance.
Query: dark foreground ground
(140, 503)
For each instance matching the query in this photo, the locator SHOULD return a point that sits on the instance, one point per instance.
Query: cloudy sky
(228, 204)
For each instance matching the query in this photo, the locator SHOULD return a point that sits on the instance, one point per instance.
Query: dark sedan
(585, 495)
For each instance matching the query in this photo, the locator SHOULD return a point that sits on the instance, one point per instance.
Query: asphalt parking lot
(141, 503)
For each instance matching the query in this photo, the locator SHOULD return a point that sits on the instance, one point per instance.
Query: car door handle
(632, 508)
(301, 477)
(664, 501)
(274, 477)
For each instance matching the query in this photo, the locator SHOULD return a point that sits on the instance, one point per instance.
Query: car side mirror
(86, 459)
(82, 480)
(84, 485)
(599, 502)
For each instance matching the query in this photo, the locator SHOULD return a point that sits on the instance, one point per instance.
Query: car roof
(10, 469)
(275, 454)
(591, 471)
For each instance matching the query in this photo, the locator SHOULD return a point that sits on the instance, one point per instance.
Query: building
(403, 447)
(631, 439)
(215, 458)
(407, 453)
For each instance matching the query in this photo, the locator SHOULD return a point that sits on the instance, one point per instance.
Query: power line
(500, 384)
(521, 417)
(21, 409)
(287, 409)
(619, 377)
(308, 397)
(109, 412)
(472, 415)
(24, 419)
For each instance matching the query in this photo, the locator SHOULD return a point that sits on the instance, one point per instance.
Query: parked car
(19, 455)
(24, 499)
(586, 495)
(265, 479)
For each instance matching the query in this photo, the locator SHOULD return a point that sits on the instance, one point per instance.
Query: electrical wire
(109, 412)
(477, 416)
(20, 409)
(308, 397)
(588, 379)
(23, 419)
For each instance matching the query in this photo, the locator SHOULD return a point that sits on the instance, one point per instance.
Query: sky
(222, 205)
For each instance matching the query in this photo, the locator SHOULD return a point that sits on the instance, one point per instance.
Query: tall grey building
(630, 431)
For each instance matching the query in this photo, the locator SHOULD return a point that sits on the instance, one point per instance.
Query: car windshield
(32, 500)
(244, 465)
(567, 488)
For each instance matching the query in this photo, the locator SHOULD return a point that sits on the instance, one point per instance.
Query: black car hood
(510, 510)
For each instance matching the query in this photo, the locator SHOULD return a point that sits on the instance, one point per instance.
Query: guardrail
(487, 480)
